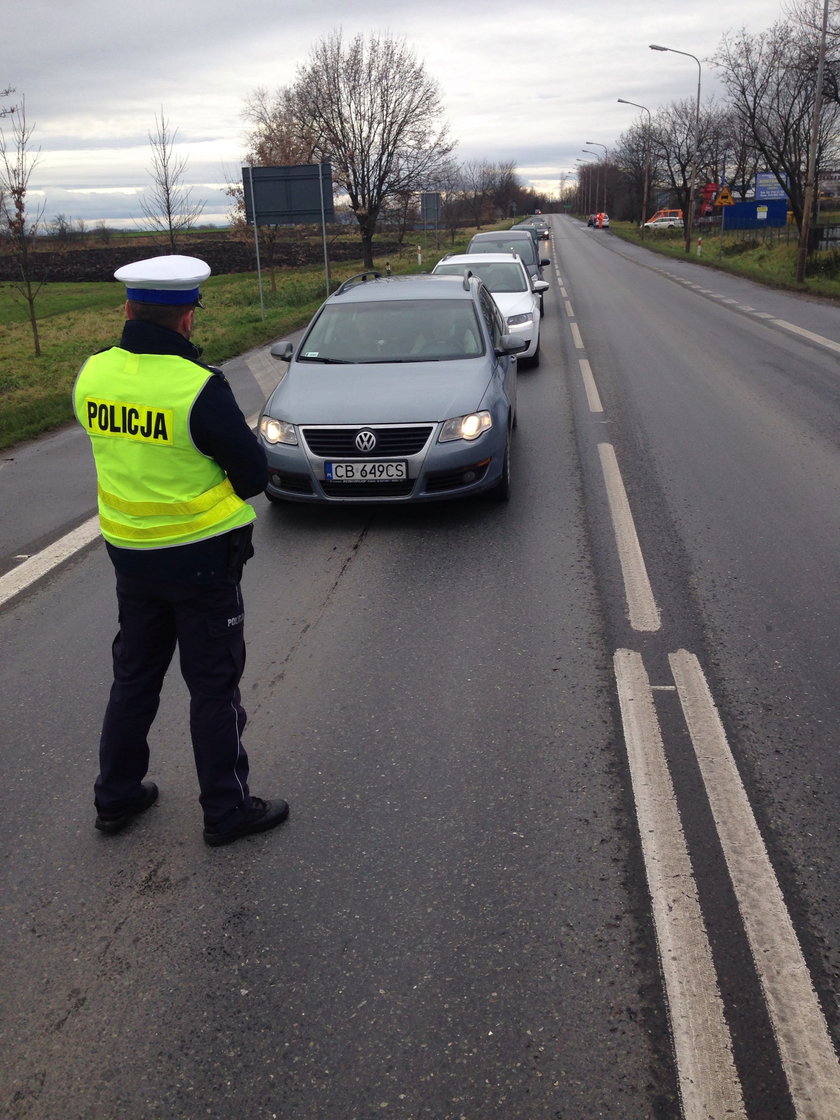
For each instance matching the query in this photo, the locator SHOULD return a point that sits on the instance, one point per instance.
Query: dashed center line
(592, 394)
(641, 605)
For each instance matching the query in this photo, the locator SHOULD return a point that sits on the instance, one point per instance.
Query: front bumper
(435, 472)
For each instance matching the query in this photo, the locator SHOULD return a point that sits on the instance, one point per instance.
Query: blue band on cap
(163, 295)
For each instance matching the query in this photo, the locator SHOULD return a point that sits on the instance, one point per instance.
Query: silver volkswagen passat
(403, 389)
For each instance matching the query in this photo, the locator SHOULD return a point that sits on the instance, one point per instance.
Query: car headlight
(465, 427)
(516, 320)
(277, 431)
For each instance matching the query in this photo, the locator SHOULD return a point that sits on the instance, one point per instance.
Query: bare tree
(476, 177)
(809, 15)
(17, 224)
(633, 158)
(450, 185)
(275, 139)
(7, 110)
(169, 208)
(673, 146)
(374, 114)
(770, 79)
(60, 229)
(505, 188)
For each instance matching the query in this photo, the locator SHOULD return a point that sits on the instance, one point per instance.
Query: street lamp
(585, 199)
(802, 255)
(693, 173)
(646, 186)
(604, 146)
(597, 175)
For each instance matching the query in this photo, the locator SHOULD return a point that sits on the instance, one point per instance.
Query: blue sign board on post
(768, 187)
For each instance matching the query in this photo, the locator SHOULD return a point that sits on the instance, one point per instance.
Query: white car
(665, 223)
(516, 295)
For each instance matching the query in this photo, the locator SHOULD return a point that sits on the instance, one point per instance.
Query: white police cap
(171, 279)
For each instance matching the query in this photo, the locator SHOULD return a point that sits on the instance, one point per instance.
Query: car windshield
(524, 246)
(504, 276)
(394, 331)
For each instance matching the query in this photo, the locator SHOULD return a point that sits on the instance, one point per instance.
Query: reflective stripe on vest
(214, 505)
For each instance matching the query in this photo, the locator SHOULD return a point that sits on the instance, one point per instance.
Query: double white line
(709, 1083)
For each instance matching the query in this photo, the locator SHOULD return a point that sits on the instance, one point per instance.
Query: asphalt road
(462, 917)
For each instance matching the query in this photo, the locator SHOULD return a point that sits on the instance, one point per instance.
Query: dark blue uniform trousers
(206, 621)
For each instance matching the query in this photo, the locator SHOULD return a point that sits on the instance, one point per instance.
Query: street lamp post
(597, 174)
(586, 200)
(646, 181)
(693, 173)
(604, 146)
(802, 255)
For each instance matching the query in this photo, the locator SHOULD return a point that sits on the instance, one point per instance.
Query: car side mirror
(512, 344)
(540, 286)
(282, 351)
(545, 261)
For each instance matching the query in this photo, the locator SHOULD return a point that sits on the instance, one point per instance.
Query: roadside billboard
(755, 215)
(768, 187)
(296, 195)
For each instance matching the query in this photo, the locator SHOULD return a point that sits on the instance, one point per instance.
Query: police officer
(175, 460)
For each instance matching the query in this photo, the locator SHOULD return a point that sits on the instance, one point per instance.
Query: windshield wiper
(327, 361)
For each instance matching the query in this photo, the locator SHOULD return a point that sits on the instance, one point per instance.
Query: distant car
(515, 293)
(403, 389)
(664, 223)
(512, 241)
(543, 225)
(599, 221)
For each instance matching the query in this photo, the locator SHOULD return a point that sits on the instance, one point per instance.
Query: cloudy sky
(529, 85)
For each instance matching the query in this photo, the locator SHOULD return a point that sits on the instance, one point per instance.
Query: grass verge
(767, 262)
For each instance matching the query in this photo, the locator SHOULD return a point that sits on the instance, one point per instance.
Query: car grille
(399, 489)
(403, 439)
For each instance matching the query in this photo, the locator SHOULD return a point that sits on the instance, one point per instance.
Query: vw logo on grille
(366, 440)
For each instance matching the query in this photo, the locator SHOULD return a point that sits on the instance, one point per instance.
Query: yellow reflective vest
(155, 488)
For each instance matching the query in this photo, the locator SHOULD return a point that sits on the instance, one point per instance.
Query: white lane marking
(818, 338)
(18, 579)
(569, 312)
(808, 1057)
(592, 395)
(641, 605)
(576, 338)
(709, 1085)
